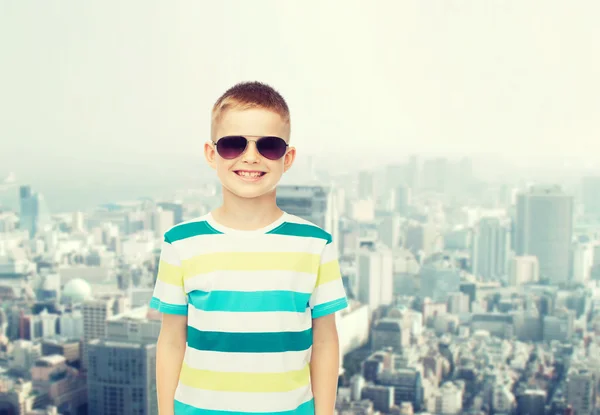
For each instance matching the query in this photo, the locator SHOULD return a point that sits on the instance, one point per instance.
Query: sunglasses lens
(272, 148)
(231, 147)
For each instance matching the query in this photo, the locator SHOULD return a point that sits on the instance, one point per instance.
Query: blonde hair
(247, 95)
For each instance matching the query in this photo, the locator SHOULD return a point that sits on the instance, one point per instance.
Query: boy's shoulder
(186, 229)
(297, 226)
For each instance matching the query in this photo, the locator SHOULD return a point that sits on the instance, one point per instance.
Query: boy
(248, 292)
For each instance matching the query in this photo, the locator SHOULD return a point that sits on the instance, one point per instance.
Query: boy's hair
(246, 95)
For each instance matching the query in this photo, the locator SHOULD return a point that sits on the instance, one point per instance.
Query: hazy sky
(115, 83)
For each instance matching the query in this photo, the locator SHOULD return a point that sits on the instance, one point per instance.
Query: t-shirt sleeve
(329, 294)
(169, 295)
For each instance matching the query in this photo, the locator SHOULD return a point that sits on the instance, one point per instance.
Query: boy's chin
(249, 193)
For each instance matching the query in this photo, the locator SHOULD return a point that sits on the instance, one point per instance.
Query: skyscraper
(366, 185)
(33, 213)
(590, 195)
(581, 393)
(544, 228)
(95, 313)
(122, 366)
(490, 249)
(375, 269)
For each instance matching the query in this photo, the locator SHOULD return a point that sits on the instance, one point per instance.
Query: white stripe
(168, 254)
(245, 322)
(247, 362)
(329, 253)
(252, 281)
(243, 401)
(208, 244)
(168, 293)
(327, 292)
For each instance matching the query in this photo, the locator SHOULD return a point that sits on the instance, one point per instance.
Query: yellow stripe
(329, 272)
(251, 261)
(170, 274)
(244, 382)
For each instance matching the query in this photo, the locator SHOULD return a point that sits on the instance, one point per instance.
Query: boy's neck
(247, 214)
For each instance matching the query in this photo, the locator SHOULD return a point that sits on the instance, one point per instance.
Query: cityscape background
(450, 148)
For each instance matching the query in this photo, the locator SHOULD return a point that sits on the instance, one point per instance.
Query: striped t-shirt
(250, 297)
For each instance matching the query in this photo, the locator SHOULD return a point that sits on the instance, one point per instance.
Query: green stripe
(271, 342)
(307, 408)
(167, 308)
(321, 310)
(189, 230)
(302, 230)
(249, 301)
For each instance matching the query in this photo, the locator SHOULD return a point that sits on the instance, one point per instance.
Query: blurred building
(582, 257)
(96, 312)
(532, 402)
(590, 192)
(122, 365)
(581, 391)
(33, 215)
(439, 278)
(544, 228)
(390, 333)
(523, 270)
(491, 248)
(375, 276)
(407, 386)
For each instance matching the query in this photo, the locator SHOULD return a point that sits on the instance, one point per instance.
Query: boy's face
(236, 174)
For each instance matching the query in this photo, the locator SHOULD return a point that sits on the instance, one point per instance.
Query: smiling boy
(248, 292)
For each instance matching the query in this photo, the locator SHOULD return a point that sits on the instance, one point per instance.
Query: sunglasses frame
(247, 142)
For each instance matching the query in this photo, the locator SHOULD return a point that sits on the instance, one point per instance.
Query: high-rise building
(95, 314)
(590, 192)
(381, 396)
(122, 366)
(413, 172)
(34, 216)
(375, 274)
(532, 402)
(390, 333)
(423, 239)
(438, 279)
(176, 208)
(402, 199)
(544, 229)
(162, 221)
(447, 399)
(560, 326)
(491, 246)
(523, 270)
(581, 386)
(389, 230)
(582, 256)
(366, 185)
(408, 386)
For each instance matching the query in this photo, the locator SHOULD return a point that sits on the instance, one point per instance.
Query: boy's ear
(289, 158)
(210, 153)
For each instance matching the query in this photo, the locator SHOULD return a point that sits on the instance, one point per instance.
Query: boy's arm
(170, 350)
(324, 364)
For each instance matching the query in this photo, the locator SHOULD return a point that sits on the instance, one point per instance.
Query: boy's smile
(250, 175)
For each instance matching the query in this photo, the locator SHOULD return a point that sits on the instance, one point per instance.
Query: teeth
(249, 174)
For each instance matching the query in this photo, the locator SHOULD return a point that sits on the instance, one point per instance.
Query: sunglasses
(230, 147)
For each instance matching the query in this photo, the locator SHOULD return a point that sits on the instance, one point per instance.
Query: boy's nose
(251, 155)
